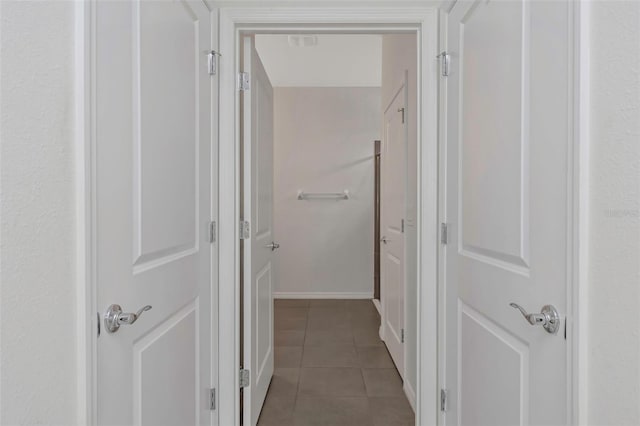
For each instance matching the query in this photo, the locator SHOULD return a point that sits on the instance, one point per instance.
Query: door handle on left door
(548, 317)
(273, 246)
(114, 317)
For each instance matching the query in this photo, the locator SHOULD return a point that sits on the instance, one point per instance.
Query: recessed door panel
(264, 329)
(165, 130)
(491, 356)
(159, 370)
(494, 64)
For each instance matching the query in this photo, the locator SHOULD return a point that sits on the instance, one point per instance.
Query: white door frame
(362, 19)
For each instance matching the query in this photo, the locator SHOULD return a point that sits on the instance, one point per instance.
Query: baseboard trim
(321, 295)
(411, 395)
(376, 303)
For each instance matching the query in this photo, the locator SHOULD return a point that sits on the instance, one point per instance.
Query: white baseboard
(411, 395)
(321, 295)
(376, 303)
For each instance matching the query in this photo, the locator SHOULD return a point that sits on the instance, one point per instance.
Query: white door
(506, 204)
(258, 281)
(393, 208)
(152, 197)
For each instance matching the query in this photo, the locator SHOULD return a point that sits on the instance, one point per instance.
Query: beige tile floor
(331, 368)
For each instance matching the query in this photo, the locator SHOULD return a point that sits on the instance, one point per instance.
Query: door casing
(431, 26)
(235, 22)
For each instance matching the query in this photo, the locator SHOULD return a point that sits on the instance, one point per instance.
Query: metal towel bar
(344, 195)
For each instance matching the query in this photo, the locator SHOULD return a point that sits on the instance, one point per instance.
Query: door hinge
(245, 230)
(402, 226)
(212, 232)
(212, 56)
(212, 399)
(444, 233)
(402, 335)
(244, 81)
(245, 378)
(445, 60)
(443, 399)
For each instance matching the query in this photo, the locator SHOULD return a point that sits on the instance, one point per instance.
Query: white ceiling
(353, 60)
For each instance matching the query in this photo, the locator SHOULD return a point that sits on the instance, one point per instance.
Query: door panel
(165, 133)
(393, 211)
(153, 196)
(494, 224)
(506, 191)
(258, 209)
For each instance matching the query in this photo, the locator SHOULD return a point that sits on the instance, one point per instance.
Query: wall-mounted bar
(344, 195)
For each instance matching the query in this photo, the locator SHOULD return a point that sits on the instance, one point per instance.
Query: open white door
(393, 210)
(508, 134)
(258, 274)
(152, 212)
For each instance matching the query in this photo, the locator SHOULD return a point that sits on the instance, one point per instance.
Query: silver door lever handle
(273, 246)
(548, 317)
(114, 317)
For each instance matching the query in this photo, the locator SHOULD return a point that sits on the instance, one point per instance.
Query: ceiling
(336, 60)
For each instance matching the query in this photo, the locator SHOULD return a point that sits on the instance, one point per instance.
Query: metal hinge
(402, 335)
(244, 81)
(402, 226)
(444, 234)
(445, 60)
(245, 230)
(212, 399)
(245, 378)
(212, 232)
(443, 399)
(402, 111)
(213, 62)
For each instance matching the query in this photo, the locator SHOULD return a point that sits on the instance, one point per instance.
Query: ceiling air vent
(301, 40)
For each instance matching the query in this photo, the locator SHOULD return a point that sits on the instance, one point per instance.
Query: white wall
(399, 54)
(614, 245)
(37, 282)
(324, 143)
(338, 60)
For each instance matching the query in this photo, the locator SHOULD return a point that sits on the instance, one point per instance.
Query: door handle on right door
(548, 317)
(384, 240)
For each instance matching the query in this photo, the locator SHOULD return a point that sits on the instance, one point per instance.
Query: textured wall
(37, 303)
(614, 271)
(324, 143)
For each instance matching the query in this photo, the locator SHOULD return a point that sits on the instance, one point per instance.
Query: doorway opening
(311, 107)
(235, 26)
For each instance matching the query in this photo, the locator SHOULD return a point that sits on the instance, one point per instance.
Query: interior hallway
(331, 368)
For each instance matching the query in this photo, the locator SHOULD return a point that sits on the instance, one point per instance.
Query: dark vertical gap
(376, 220)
